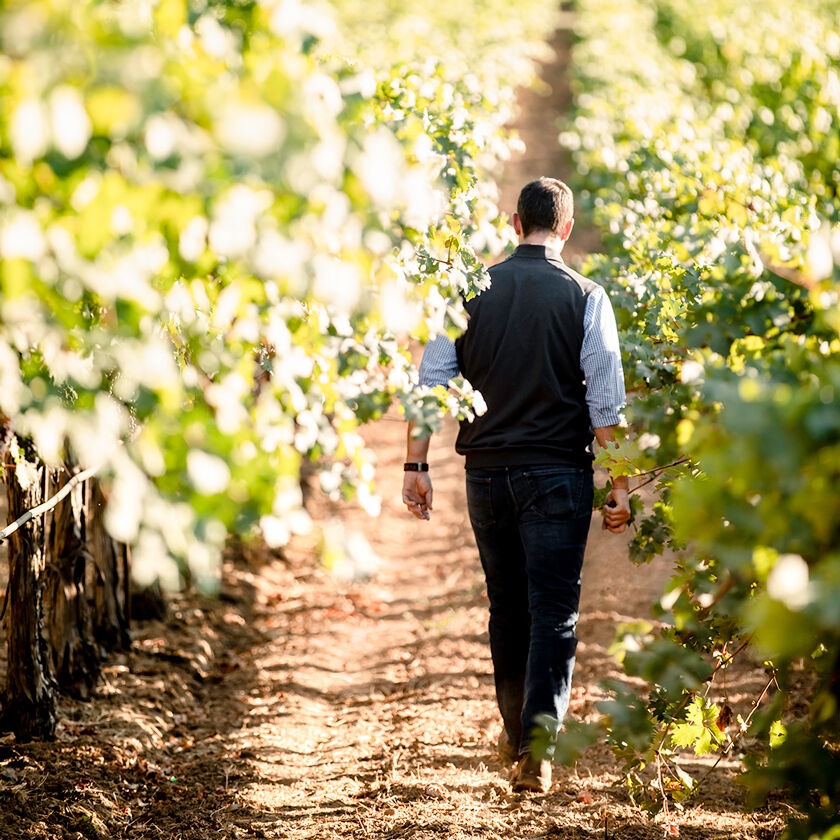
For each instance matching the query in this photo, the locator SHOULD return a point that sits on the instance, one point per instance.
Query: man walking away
(542, 348)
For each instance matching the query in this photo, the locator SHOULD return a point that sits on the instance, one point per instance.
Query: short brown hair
(545, 204)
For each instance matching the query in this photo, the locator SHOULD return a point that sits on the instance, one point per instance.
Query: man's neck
(541, 237)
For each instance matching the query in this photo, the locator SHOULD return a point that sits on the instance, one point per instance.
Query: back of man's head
(545, 204)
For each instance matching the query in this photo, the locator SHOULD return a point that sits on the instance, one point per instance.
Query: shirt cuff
(432, 380)
(605, 417)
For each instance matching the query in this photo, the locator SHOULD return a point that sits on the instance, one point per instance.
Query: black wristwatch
(415, 466)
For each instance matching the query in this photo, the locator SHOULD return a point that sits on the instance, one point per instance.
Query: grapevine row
(217, 223)
(708, 151)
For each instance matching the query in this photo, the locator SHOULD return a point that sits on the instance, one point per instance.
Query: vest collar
(538, 252)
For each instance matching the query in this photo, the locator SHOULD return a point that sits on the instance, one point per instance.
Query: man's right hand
(616, 511)
(417, 493)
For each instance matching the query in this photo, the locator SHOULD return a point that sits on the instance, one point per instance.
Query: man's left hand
(417, 493)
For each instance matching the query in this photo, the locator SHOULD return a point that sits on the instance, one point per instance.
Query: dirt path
(542, 110)
(373, 711)
(388, 717)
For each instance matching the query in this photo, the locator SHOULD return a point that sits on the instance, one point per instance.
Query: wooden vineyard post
(75, 658)
(59, 552)
(29, 701)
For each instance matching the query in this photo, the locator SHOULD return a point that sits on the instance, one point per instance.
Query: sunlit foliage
(708, 141)
(216, 220)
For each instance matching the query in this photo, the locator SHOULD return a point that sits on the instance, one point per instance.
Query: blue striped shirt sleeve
(439, 363)
(600, 361)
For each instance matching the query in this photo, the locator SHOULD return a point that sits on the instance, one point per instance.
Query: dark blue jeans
(530, 525)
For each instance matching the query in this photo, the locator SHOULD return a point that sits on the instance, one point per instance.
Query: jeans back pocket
(556, 493)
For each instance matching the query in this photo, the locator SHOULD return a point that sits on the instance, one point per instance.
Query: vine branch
(48, 505)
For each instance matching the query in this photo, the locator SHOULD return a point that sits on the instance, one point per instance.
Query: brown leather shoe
(507, 753)
(531, 774)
